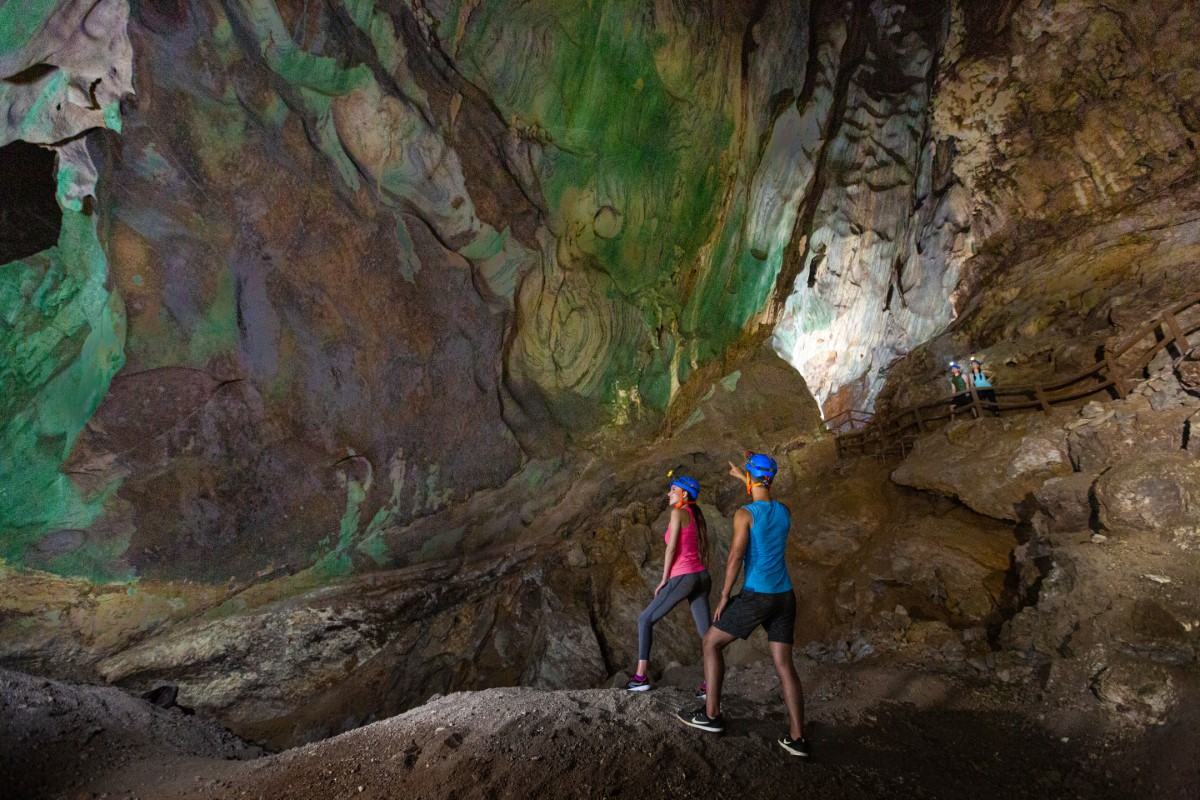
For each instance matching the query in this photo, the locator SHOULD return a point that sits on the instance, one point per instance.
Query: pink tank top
(687, 554)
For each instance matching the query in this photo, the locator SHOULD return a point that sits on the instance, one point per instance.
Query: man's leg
(715, 641)
(793, 691)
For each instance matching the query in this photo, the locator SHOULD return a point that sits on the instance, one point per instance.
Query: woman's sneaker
(702, 692)
(638, 685)
(700, 719)
(797, 747)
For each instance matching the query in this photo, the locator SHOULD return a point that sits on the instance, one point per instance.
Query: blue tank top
(982, 382)
(766, 569)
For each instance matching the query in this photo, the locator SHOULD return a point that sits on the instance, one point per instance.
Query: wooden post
(975, 404)
(1041, 398)
(1176, 332)
(1114, 376)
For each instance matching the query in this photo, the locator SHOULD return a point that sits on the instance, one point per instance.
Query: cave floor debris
(877, 731)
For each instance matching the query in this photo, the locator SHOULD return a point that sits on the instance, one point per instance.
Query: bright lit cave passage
(599, 398)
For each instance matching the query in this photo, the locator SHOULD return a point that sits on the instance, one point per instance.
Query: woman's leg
(699, 603)
(675, 591)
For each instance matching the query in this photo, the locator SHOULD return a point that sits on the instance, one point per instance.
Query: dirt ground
(877, 731)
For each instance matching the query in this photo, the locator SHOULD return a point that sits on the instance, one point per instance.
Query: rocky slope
(930, 732)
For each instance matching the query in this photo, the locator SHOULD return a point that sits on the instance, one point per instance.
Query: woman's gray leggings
(695, 587)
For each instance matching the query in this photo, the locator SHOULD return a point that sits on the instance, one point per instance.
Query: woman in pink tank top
(685, 576)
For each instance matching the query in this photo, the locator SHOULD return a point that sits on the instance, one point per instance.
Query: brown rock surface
(1153, 493)
(993, 466)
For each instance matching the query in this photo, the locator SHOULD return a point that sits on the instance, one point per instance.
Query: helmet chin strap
(750, 484)
(686, 501)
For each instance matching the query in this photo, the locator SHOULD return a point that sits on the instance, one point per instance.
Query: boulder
(1153, 493)
(1140, 692)
(993, 466)
(1131, 427)
(1065, 501)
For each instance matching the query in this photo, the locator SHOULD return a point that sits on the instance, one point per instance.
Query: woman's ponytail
(701, 533)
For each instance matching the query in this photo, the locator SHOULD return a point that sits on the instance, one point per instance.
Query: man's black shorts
(776, 612)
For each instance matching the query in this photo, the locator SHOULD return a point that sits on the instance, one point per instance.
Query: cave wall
(65, 67)
(1073, 130)
(361, 313)
(323, 226)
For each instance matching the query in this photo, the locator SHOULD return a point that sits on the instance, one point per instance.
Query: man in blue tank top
(760, 532)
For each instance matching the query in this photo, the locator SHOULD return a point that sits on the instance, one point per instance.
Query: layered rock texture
(345, 343)
(324, 228)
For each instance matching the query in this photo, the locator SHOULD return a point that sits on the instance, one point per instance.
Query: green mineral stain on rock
(63, 341)
(441, 546)
(488, 243)
(730, 381)
(112, 116)
(339, 561)
(216, 332)
(20, 20)
(376, 549)
(65, 178)
(820, 314)
(617, 142)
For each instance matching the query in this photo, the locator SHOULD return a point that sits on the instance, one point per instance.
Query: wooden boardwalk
(862, 433)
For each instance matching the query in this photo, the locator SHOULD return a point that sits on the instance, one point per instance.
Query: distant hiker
(982, 381)
(958, 384)
(685, 574)
(760, 532)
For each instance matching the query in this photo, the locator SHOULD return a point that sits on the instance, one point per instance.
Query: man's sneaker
(636, 685)
(700, 719)
(797, 747)
(702, 692)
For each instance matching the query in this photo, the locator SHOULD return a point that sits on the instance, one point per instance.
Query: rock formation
(345, 344)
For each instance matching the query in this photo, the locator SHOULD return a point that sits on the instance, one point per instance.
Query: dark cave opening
(29, 214)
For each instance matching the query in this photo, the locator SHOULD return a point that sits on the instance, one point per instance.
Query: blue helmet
(689, 485)
(761, 466)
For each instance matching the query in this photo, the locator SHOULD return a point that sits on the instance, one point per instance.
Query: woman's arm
(672, 547)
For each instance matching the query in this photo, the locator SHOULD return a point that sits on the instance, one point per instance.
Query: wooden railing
(849, 420)
(893, 434)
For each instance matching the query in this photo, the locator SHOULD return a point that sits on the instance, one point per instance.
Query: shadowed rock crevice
(30, 218)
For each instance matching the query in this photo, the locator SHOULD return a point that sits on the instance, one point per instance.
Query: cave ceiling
(326, 268)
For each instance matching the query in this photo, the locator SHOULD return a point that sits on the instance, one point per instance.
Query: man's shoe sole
(792, 752)
(704, 727)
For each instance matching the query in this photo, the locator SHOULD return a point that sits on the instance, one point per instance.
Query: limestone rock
(1156, 493)
(1066, 501)
(1127, 431)
(949, 567)
(1143, 694)
(993, 466)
